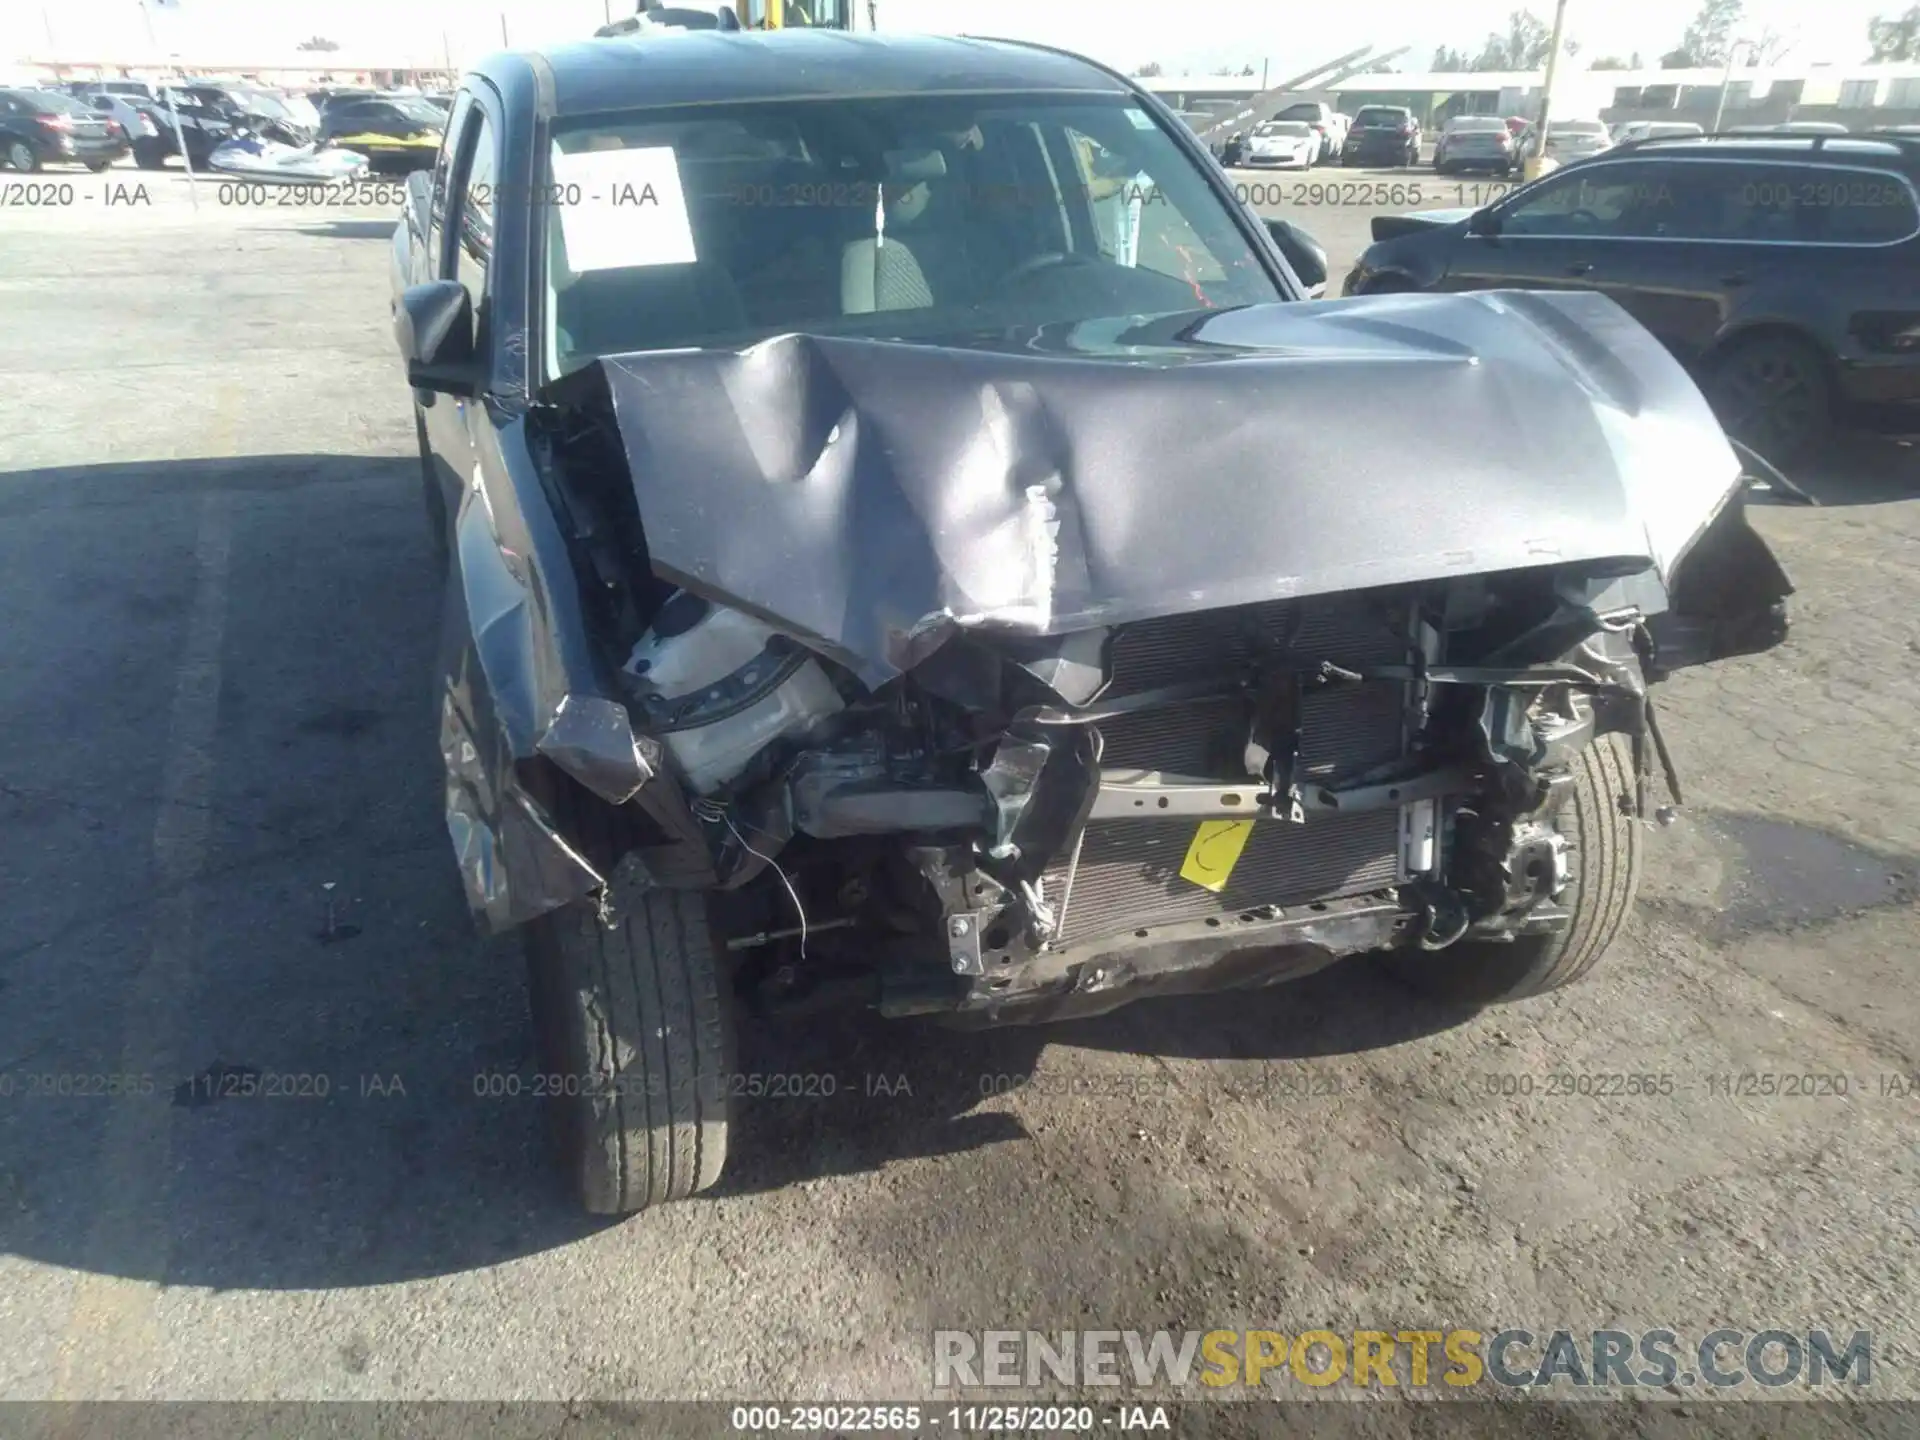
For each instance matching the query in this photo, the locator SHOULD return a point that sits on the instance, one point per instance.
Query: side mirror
(434, 326)
(1483, 222)
(1304, 253)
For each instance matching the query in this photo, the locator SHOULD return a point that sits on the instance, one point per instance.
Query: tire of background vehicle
(20, 157)
(1772, 392)
(149, 157)
(96, 166)
(638, 1018)
(435, 502)
(1603, 855)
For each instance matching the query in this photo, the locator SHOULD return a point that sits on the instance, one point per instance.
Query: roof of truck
(694, 67)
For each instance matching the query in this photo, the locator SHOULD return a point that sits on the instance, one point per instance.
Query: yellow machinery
(795, 14)
(737, 15)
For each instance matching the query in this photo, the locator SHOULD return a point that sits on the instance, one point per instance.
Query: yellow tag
(1215, 850)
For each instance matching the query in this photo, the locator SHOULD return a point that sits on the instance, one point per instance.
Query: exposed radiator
(1129, 872)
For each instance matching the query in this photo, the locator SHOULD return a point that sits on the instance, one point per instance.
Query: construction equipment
(655, 15)
(795, 14)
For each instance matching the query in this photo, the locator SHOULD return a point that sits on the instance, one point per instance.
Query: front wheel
(150, 155)
(20, 157)
(634, 1028)
(1603, 860)
(96, 166)
(1773, 395)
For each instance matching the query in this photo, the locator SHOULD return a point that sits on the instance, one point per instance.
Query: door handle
(1580, 267)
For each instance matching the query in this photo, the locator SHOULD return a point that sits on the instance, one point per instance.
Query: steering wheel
(1046, 260)
(1582, 216)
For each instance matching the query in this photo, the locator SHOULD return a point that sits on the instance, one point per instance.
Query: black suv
(1382, 135)
(1784, 271)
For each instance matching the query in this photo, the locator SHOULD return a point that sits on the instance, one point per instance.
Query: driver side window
(1609, 200)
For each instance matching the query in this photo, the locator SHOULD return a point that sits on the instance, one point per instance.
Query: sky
(1124, 33)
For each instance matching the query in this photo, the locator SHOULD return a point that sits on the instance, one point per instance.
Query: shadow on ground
(324, 1078)
(349, 229)
(1859, 470)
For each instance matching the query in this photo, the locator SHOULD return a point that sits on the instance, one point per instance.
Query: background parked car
(1326, 122)
(1475, 142)
(44, 127)
(1382, 135)
(1654, 130)
(1283, 144)
(209, 115)
(121, 109)
(1795, 314)
(1568, 140)
(143, 89)
(398, 133)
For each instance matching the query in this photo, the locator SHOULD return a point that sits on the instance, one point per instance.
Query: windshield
(916, 217)
(1374, 115)
(1284, 127)
(415, 107)
(261, 102)
(52, 102)
(1486, 123)
(1576, 127)
(1300, 112)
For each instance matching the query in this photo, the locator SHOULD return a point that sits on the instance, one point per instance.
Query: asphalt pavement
(249, 1043)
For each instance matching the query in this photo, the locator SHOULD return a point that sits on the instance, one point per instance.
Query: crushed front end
(1036, 701)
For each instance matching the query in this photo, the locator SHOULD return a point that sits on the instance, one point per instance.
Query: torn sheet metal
(875, 497)
(519, 690)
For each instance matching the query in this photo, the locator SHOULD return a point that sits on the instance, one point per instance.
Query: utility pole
(1263, 73)
(1726, 83)
(504, 42)
(1535, 165)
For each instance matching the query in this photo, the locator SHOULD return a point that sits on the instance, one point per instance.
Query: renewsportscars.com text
(1721, 1360)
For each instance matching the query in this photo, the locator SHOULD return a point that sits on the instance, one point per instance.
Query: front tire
(150, 155)
(635, 1026)
(1772, 393)
(1603, 856)
(20, 157)
(98, 166)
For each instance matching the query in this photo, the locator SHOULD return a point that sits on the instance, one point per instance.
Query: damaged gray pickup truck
(909, 544)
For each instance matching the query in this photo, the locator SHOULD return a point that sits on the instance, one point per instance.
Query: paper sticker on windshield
(622, 208)
(1214, 852)
(1139, 118)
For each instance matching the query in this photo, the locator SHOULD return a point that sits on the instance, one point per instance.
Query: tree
(1610, 62)
(1447, 60)
(1148, 70)
(1897, 39)
(1246, 70)
(318, 42)
(1708, 38)
(1523, 47)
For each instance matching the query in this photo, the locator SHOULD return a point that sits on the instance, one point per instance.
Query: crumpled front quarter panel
(518, 687)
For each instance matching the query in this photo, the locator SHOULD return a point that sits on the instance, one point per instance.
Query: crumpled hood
(874, 497)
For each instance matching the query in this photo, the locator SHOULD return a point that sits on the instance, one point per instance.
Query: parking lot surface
(257, 1135)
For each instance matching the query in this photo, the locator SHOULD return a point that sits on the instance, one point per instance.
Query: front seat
(881, 272)
(881, 275)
